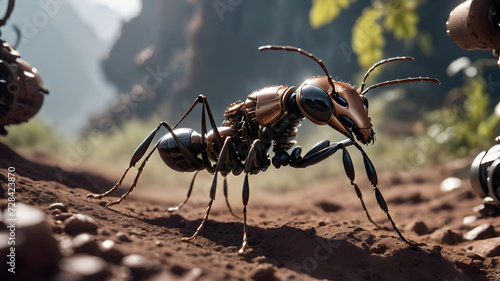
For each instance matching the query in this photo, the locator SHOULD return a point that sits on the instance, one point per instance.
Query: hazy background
(117, 68)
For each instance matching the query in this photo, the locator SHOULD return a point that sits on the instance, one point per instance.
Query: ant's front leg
(282, 158)
(316, 154)
(323, 150)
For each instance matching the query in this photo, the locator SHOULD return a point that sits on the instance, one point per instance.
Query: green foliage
(367, 37)
(462, 129)
(401, 18)
(34, 133)
(325, 11)
(396, 16)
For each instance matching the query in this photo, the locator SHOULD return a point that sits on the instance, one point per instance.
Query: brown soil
(316, 233)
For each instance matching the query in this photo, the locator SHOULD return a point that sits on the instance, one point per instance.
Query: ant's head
(338, 104)
(341, 107)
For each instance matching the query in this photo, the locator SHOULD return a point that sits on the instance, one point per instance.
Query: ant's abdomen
(171, 153)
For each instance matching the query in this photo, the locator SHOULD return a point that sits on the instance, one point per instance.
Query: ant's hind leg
(173, 209)
(138, 153)
(99, 196)
(134, 184)
(207, 213)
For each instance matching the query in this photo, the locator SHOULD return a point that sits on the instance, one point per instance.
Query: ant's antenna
(399, 81)
(7, 13)
(379, 64)
(307, 54)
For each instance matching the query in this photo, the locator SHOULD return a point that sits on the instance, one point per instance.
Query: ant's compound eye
(316, 104)
(365, 103)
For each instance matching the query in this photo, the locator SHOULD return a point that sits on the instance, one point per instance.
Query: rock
(58, 206)
(450, 184)
(489, 208)
(483, 231)
(178, 270)
(486, 248)
(123, 237)
(418, 227)
(378, 248)
(62, 216)
(80, 223)
(414, 198)
(85, 267)
(109, 251)
(139, 266)
(85, 243)
(328, 207)
(264, 273)
(469, 219)
(474, 256)
(65, 245)
(36, 250)
(447, 236)
(162, 276)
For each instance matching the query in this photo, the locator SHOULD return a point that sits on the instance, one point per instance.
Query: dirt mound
(316, 233)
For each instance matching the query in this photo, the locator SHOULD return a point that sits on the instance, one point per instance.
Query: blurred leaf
(425, 43)
(367, 37)
(402, 19)
(470, 125)
(325, 11)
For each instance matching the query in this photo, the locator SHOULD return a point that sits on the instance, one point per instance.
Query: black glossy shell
(315, 103)
(171, 154)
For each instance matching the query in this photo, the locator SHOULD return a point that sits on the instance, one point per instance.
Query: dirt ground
(316, 233)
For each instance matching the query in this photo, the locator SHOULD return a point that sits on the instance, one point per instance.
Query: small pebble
(450, 184)
(109, 251)
(139, 266)
(418, 227)
(107, 244)
(62, 216)
(80, 223)
(469, 219)
(264, 273)
(447, 236)
(85, 243)
(58, 206)
(379, 248)
(85, 266)
(36, 252)
(489, 208)
(123, 237)
(178, 270)
(483, 231)
(260, 259)
(328, 207)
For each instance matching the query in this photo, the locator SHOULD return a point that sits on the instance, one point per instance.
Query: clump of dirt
(316, 233)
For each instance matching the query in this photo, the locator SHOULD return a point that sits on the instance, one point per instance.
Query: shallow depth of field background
(117, 68)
